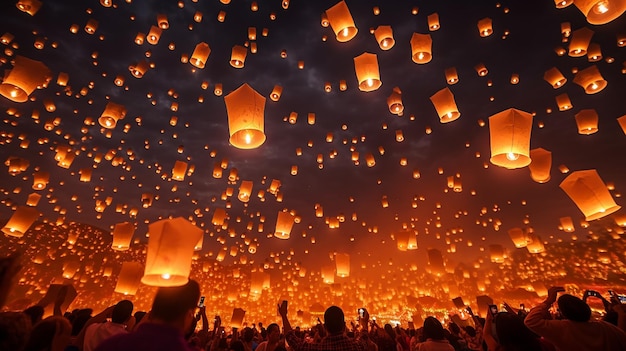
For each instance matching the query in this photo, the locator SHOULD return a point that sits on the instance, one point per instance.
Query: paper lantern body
(238, 56)
(367, 73)
(139, 69)
(421, 48)
(170, 249)
(622, 123)
(590, 79)
(284, 223)
(277, 91)
(20, 221)
(342, 263)
(129, 278)
(567, 224)
(540, 164)
(179, 170)
(154, 35)
(384, 37)
(518, 237)
(245, 189)
(40, 180)
(394, 102)
(590, 194)
(601, 11)
(200, 55)
(561, 4)
(563, 102)
(587, 121)
(580, 42)
(554, 77)
(219, 216)
(112, 113)
(496, 253)
(29, 6)
(122, 236)
(509, 133)
(452, 76)
(435, 262)
(23, 79)
(340, 20)
(433, 22)
(485, 27)
(535, 245)
(246, 109)
(444, 103)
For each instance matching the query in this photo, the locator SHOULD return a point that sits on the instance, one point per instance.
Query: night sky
(147, 143)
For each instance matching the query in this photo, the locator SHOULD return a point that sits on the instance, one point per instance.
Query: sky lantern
(509, 133)
(200, 55)
(594, 52)
(162, 21)
(33, 199)
(384, 37)
(590, 79)
(179, 170)
(245, 108)
(567, 224)
(540, 164)
(601, 11)
(219, 216)
(367, 73)
(277, 91)
(139, 69)
(421, 48)
(154, 35)
(561, 4)
(496, 253)
(394, 101)
(40, 180)
(342, 264)
(444, 103)
(481, 69)
(170, 249)
(485, 28)
(122, 236)
(587, 121)
(20, 221)
(245, 189)
(405, 240)
(435, 262)
(433, 22)
(340, 20)
(580, 42)
(622, 123)
(238, 56)
(554, 77)
(29, 6)
(563, 102)
(112, 113)
(328, 274)
(589, 193)
(91, 26)
(129, 278)
(535, 245)
(518, 237)
(23, 79)
(452, 76)
(284, 223)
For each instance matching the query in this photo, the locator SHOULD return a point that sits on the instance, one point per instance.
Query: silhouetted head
(35, 313)
(43, 333)
(573, 308)
(433, 329)
(513, 334)
(177, 303)
(122, 311)
(334, 320)
(14, 330)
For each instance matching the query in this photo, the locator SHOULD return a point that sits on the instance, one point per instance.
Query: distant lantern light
(162, 21)
(535, 245)
(433, 22)
(284, 224)
(245, 108)
(451, 75)
(26, 76)
(481, 69)
(217, 90)
(221, 16)
(540, 165)
(421, 48)
(587, 121)
(129, 279)
(40, 180)
(276, 93)
(590, 79)
(514, 78)
(509, 133)
(238, 56)
(554, 77)
(367, 73)
(169, 254)
(340, 20)
(601, 11)
(560, 4)
(20, 221)
(444, 104)
(485, 28)
(394, 102)
(122, 236)
(590, 194)
(563, 102)
(200, 55)
(112, 113)
(579, 42)
(154, 35)
(384, 37)
(245, 189)
(139, 69)
(343, 86)
(29, 6)
(91, 26)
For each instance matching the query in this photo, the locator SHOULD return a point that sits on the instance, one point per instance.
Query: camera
(201, 303)
(361, 312)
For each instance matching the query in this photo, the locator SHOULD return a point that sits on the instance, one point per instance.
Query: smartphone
(493, 309)
(622, 299)
(283, 304)
(361, 312)
(201, 303)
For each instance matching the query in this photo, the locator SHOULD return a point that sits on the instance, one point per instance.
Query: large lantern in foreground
(129, 278)
(590, 194)
(367, 74)
(284, 223)
(444, 103)
(20, 221)
(341, 21)
(601, 11)
(170, 249)
(509, 133)
(23, 79)
(246, 109)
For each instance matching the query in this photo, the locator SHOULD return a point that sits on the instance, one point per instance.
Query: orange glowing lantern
(328, 274)
(485, 28)
(594, 52)
(622, 123)
(590, 79)
(451, 75)
(245, 189)
(139, 69)
(563, 102)
(435, 262)
(394, 101)
(129, 278)
(554, 77)
(403, 239)
(112, 113)
(560, 4)
(444, 104)
(342, 263)
(367, 73)
(40, 180)
(433, 22)
(162, 21)
(535, 245)
(29, 6)
(481, 69)
(509, 133)
(587, 121)
(20, 221)
(518, 237)
(567, 224)
(340, 20)
(284, 223)
(238, 56)
(580, 42)
(496, 253)
(154, 35)
(23, 79)
(276, 93)
(590, 194)
(541, 162)
(122, 236)
(245, 108)
(219, 216)
(179, 170)
(33, 199)
(170, 250)
(421, 48)
(601, 11)
(384, 37)
(200, 55)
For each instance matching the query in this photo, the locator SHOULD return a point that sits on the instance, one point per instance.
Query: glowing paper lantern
(238, 56)
(435, 262)
(328, 274)
(367, 74)
(601, 11)
(342, 263)
(402, 239)
(451, 75)
(594, 52)
(284, 223)
(245, 189)
(563, 102)
(129, 278)
(485, 27)
(421, 48)
(433, 22)
(162, 21)
(29, 6)
(622, 123)
(179, 170)
(245, 108)
(23, 79)
(580, 42)
(154, 35)
(340, 20)
(518, 237)
(20, 221)
(33, 199)
(112, 113)
(567, 224)
(590, 194)
(509, 133)
(444, 103)
(560, 4)
(200, 55)
(384, 37)
(496, 253)
(554, 77)
(40, 180)
(587, 121)
(535, 245)
(170, 249)
(590, 79)
(541, 162)
(219, 216)
(394, 101)
(122, 236)
(139, 69)
(276, 93)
